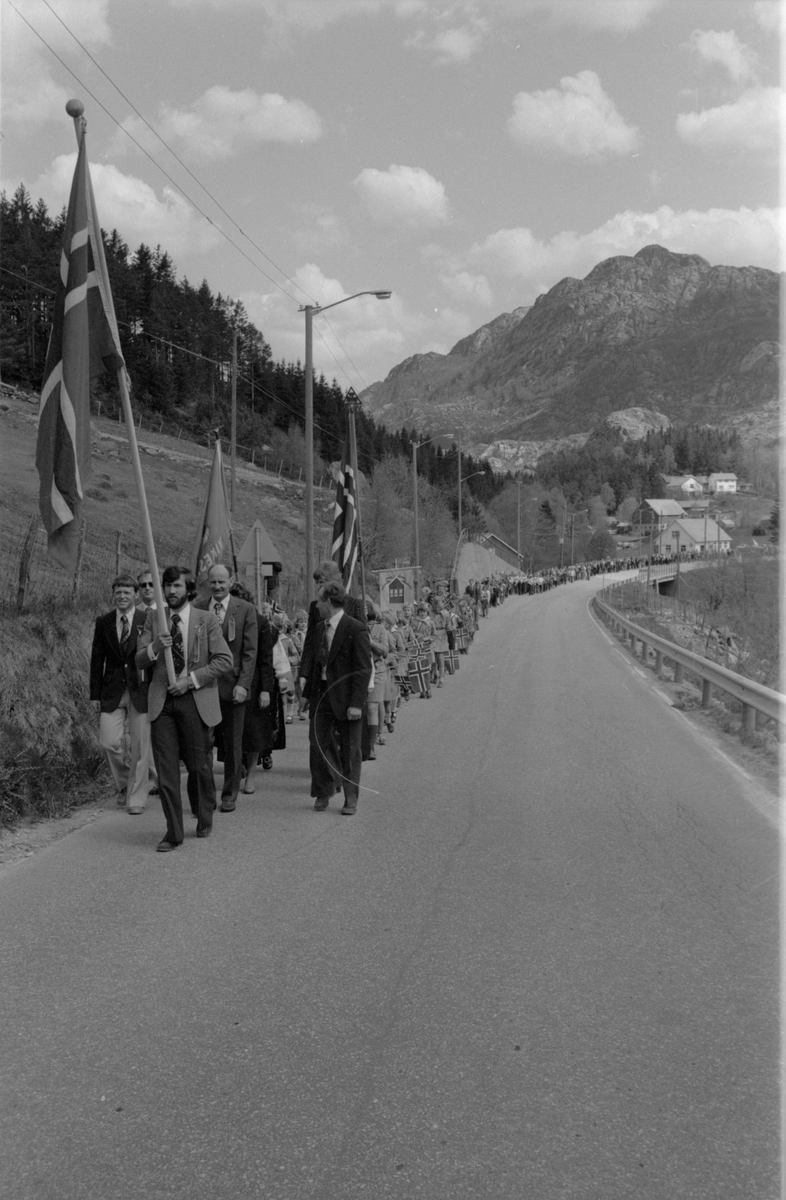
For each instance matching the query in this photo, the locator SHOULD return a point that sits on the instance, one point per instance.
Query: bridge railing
(755, 697)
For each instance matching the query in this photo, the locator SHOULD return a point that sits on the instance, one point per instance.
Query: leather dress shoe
(203, 832)
(164, 846)
(321, 803)
(227, 806)
(350, 808)
(134, 812)
(154, 791)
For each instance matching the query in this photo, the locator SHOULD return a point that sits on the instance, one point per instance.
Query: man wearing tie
(115, 693)
(336, 691)
(238, 621)
(183, 713)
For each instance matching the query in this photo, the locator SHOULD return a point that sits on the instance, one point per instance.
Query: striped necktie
(125, 635)
(178, 657)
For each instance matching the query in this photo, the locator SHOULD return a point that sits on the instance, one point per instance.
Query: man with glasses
(115, 694)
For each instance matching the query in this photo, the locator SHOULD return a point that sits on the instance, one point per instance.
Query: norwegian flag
(84, 342)
(451, 661)
(345, 529)
(420, 674)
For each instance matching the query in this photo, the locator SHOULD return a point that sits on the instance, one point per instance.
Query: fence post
(706, 693)
(161, 426)
(80, 554)
(118, 551)
(679, 672)
(24, 562)
(140, 423)
(748, 720)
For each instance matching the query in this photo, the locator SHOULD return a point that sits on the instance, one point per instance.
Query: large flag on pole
(345, 528)
(83, 343)
(214, 536)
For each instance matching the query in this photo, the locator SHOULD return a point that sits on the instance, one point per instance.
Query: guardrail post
(748, 720)
(679, 672)
(658, 663)
(706, 693)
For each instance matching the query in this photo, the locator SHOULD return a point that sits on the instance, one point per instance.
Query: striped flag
(345, 529)
(83, 343)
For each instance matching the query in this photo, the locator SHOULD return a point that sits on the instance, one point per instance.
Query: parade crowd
(242, 674)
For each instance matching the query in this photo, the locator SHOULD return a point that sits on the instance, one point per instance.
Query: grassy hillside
(49, 755)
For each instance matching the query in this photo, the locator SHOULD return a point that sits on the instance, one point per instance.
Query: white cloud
(320, 230)
(369, 331)
(726, 49)
(452, 45)
(579, 121)
(467, 288)
(619, 16)
(735, 237)
(751, 123)
(769, 14)
(132, 207)
(25, 58)
(402, 196)
(221, 123)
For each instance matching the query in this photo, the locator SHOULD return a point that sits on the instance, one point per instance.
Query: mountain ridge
(656, 330)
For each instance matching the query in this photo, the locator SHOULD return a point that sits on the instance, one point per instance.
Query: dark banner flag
(83, 343)
(345, 529)
(214, 536)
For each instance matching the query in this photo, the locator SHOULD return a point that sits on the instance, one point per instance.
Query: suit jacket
(354, 607)
(208, 658)
(239, 630)
(348, 667)
(111, 671)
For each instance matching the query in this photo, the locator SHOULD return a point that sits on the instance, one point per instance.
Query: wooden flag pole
(75, 109)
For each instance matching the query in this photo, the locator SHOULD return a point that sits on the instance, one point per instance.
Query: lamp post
(415, 447)
(312, 310)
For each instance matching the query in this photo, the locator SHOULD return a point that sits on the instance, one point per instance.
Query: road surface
(541, 963)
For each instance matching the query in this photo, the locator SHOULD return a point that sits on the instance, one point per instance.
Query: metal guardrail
(755, 697)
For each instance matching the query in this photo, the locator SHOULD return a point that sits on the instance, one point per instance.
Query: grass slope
(49, 754)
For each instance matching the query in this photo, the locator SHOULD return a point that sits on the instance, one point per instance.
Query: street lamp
(312, 310)
(415, 447)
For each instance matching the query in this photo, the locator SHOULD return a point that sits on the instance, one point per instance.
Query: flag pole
(76, 109)
(352, 402)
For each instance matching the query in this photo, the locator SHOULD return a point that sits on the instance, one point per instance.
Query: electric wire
(194, 177)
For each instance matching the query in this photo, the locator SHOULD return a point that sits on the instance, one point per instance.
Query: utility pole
(234, 425)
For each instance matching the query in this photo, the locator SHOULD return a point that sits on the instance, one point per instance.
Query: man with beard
(183, 713)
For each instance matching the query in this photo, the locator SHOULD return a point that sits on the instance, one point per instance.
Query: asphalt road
(541, 963)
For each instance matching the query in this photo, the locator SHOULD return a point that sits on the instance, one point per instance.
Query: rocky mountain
(656, 331)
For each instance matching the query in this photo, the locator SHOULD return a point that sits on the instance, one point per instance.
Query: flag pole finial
(75, 110)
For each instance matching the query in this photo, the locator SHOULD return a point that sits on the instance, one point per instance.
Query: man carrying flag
(83, 343)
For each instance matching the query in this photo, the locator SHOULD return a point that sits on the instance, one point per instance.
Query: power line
(193, 176)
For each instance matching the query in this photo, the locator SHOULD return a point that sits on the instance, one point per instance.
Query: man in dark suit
(116, 694)
(327, 572)
(336, 690)
(238, 621)
(183, 713)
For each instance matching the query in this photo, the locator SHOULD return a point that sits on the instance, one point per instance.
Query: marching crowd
(227, 678)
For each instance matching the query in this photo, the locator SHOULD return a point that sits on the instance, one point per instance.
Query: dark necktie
(125, 635)
(218, 611)
(322, 652)
(178, 657)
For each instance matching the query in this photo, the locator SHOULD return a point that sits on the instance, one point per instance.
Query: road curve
(541, 963)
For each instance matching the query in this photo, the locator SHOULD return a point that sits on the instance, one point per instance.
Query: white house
(692, 535)
(686, 485)
(657, 513)
(720, 482)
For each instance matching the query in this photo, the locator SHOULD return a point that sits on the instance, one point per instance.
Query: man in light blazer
(182, 714)
(238, 621)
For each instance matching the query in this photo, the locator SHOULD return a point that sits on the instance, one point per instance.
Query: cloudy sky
(466, 154)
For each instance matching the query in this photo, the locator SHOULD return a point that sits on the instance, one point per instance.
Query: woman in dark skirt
(264, 730)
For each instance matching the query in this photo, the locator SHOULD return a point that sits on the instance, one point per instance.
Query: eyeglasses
(149, 584)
